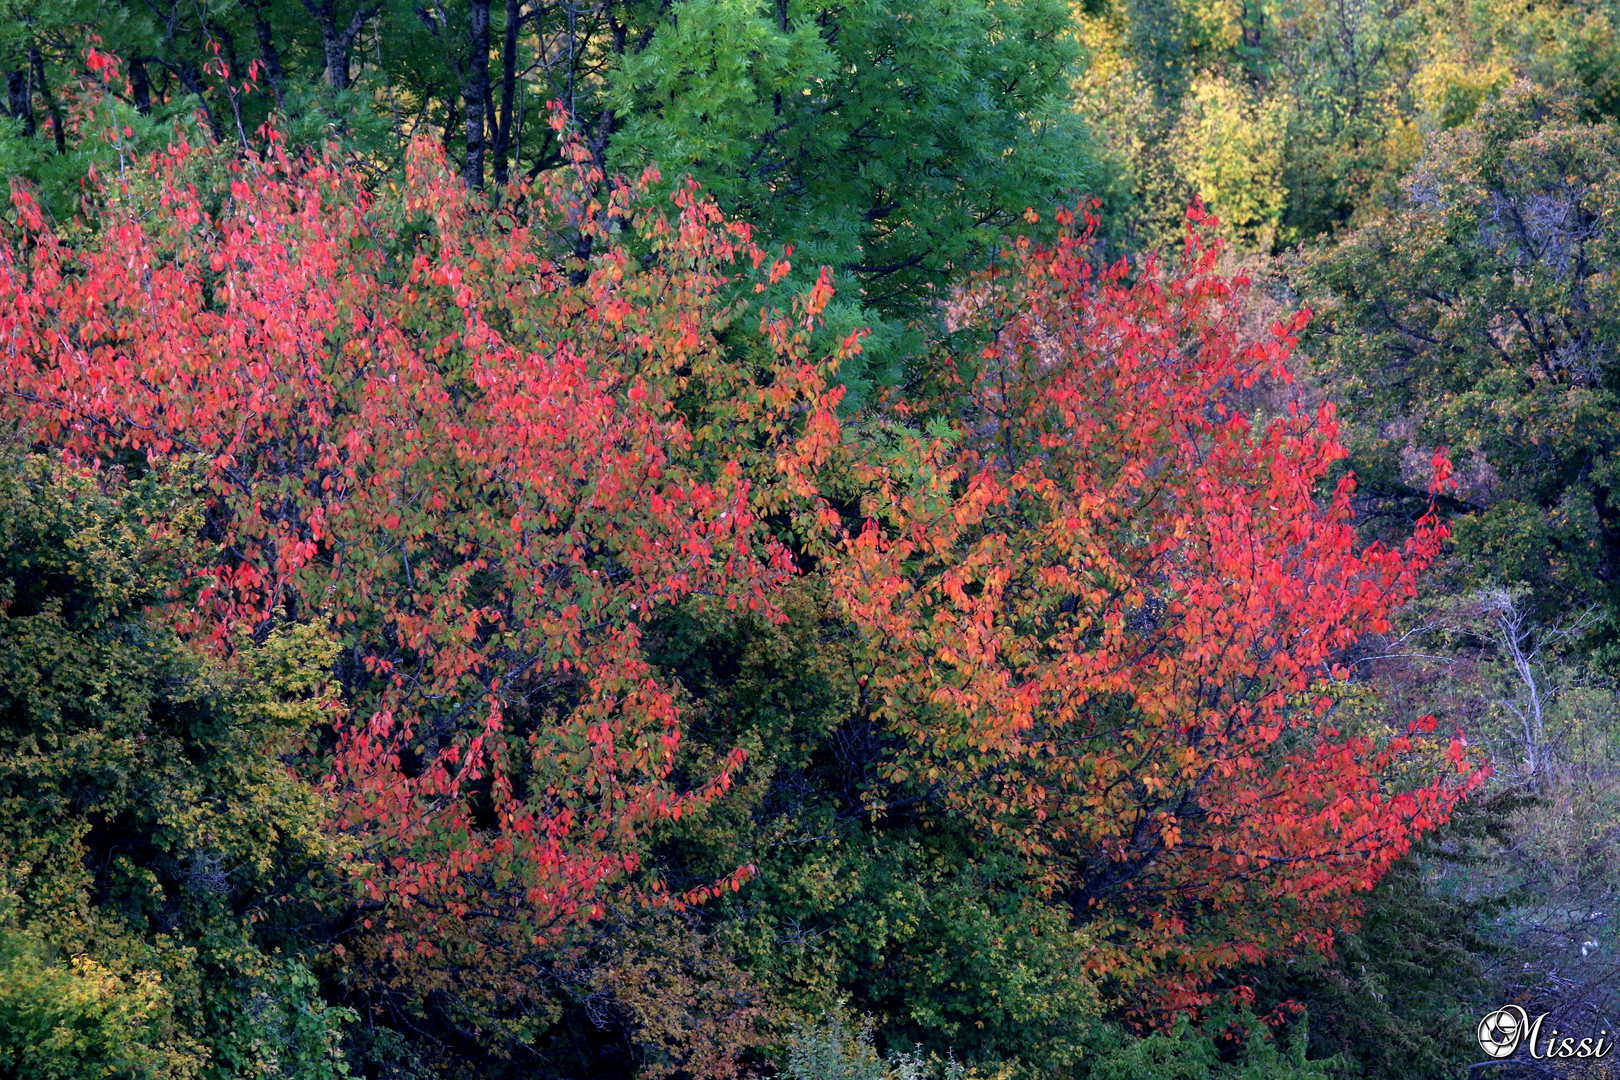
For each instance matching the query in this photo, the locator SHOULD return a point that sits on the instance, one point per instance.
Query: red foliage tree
(487, 446)
(1104, 612)
(484, 447)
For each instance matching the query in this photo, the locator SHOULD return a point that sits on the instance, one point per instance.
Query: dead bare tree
(1537, 686)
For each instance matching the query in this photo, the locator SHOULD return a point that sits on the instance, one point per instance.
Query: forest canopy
(714, 539)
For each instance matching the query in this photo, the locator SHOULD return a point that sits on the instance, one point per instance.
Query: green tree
(893, 142)
(1482, 314)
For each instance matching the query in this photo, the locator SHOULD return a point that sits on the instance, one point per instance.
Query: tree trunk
(503, 130)
(19, 102)
(452, 121)
(268, 54)
(336, 42)
(477, 93)
(37, 61)
(140, 84)
(191, 78)
(337, 63)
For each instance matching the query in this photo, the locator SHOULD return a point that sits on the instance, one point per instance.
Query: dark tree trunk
(337, 63)
(19, 102)
(140, 84)
(37, 62)
(477, 94)
(190, 77)
(452, 122)
(337, 42)
(268, 54)
(503, 129)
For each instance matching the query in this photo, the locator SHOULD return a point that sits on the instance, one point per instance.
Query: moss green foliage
(155, 846)
(829, 1050)
(929, 930)
(1231, 1046)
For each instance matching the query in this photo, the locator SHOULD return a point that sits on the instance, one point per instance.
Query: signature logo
(1503, 1031)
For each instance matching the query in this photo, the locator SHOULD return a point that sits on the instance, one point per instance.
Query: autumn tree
(482, 461)
(1104, 614)
(893, 142)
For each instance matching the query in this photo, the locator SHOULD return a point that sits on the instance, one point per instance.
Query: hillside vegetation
(834, 541)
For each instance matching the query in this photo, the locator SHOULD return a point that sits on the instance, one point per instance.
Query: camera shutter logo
(1501, 1031)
